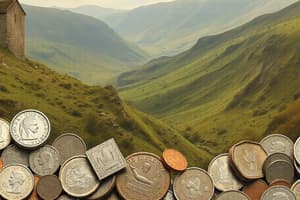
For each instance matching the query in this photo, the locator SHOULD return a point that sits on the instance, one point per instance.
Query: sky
(117, 4)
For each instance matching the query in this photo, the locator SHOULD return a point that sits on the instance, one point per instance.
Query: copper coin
(1, 164)
(145, 178)
(174, 160)
(105, 188)
(255, 189)
(49, 187)
(248, 158)
(34, 195)
(281, 182)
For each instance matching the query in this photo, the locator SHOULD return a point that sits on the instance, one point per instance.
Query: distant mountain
(241, 84)
(172, 27)
(81, 46)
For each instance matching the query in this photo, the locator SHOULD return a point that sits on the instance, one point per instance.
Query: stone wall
(3, 40)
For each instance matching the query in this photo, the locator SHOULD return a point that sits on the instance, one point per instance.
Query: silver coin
(296, 189)
(30, 129)
(233, 195)
(106, 159)
(13, 155)
(5, 138)
(66, 197)
(280, 170)
(274, 157)
(16, 182)
(193, 184)
(278, 193)
(170, 195)
(44, 161)
(277, 143)
(77, 177)
(297, 151)
(105, 188)
(222, 175)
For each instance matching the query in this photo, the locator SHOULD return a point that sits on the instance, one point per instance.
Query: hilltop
(93, 112)
(241, 84)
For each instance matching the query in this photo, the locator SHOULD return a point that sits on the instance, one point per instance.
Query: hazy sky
(121, 4)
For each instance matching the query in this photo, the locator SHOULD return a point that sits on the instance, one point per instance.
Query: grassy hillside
(229, 86)
(81, 46)
(172, 27)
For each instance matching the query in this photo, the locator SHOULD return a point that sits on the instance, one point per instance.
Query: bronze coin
(49, 187)
(281, 182)
(145, 178)
(174, 160)
(34, 195)
(1, 164)
(255, 189)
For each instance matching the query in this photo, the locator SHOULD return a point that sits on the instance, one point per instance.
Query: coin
(277, 143)
(255, 189)
(248, 159)
(106, 159)
(30, 129)
(13, 155)
(233, 195)
(77, 177)
(174, 160)
(278, 193)
(34, 195)
(105, 188)
(145, 178)
(5, 137)
(66, 197)
(69, 145)
(169, 196)
(222, 175)
(297, 167)
(193, 184)
(49, 187)
(1, 164)
(274, 157)
(296, 189)
(297, 151)
(281, 182)
(113, 196)
(280, 169)
(44, 161)
(16, 182)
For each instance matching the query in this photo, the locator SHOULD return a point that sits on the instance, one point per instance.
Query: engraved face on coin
(30, 129)
(69, 145)
(5, 138)
(233, 195)
(297, 151)
(248, 159)
(49, 187)
(174, 160)
(278, 193)
(105, 188)
(14, 155)
(44, 161)
(193, 184)
(145, 178)
(277, 143)
(169, 196)
(296, 189)
(222, 175)
(77, 177)
(106, 159)
(16, 182)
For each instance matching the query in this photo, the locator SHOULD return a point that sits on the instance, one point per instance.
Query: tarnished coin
(104, 189)
(106, 159)
(281, 182)
(69, 145)
(280, 169)
(77, 177)
(222, 175)
(233, 195)
(297, 151)
(16, 182)
(277, 143)
(174, 160)
(274, 157)
(248, 159)
(145, 178)
(44, 161)
(66, 197)
(296, 189)
(170, 195)
(5, 138)
(255, 189)
(193, 184)
(34, 195)
(278, 193)
(14, 155)
(30, 129)
(49, 187)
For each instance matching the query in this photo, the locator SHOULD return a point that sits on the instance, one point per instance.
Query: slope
(228, 86)
(172, 27)
(81, 46)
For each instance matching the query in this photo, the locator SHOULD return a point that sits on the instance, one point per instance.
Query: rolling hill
(78, 45)
(172, 27)
(241, 84)
(93, 112)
